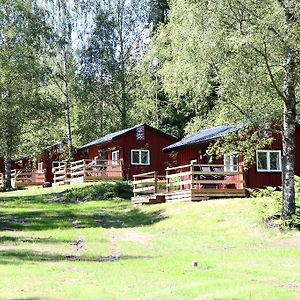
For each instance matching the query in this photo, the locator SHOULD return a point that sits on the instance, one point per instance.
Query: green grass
(112, 250)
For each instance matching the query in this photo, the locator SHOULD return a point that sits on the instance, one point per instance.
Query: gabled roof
(204, 136)
(42, 149)
(112, 136)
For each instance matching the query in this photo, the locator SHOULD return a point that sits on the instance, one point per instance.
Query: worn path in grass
(111, 250)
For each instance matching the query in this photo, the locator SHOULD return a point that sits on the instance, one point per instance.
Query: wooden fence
(25, 177)
(61, 173)
(148, 183)
(105, 169)
(196, 176)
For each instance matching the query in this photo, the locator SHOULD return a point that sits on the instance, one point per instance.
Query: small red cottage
(195, 175)
(27, 170)
(123, 153)
(266, 171)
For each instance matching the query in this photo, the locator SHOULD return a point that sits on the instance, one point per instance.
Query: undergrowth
(271, 210)
(104, 191)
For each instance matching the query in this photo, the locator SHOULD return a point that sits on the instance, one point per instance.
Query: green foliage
(243, 142)
(105, 191)
(24, 53)
(271, 210)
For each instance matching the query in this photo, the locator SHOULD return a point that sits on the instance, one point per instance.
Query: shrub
(104, 191)
(272, 208)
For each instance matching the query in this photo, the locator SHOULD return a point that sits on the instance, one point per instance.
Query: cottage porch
(22, 178)
(88, 170)
(192, 182)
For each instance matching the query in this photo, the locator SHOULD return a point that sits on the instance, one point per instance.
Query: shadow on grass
(75, 218)
(20, 256)
(30, 298)
(18, 240)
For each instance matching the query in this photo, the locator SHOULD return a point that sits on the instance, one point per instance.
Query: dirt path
(114, 251)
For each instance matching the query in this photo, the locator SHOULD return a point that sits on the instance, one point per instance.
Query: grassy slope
(238, 258)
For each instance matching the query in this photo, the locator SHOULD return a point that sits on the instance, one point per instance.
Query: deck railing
(196, 176)
(25, 176)
(61, 173)
(148, 183)
(1, 179)
(96, 168)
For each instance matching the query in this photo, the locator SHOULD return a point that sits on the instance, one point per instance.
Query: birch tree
(248, 52)
(24, 73)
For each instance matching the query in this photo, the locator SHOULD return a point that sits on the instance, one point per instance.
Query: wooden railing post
(167, 181)
(155, 182)
(192, 176)
(134, 187)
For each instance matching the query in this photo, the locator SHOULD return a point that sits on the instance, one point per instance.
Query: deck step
(149, 199)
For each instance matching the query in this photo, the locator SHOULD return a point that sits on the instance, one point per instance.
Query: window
(231, 163)
(115, 157)
(140, 157)
(40, 167)
(268, 161)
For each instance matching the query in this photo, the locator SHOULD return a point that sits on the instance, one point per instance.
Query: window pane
(235, 163)
(274, 161)
(227, 163)
(115, 155)
(145, 157)
(231, 163)
(135, 157)
(262, 161)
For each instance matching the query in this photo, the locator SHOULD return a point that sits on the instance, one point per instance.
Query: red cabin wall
(154, 141)
(2, 166)
(253, 178)
(256, 179)
(47, 158)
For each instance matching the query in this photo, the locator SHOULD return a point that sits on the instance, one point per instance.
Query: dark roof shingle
(204, 136)
(109, 137)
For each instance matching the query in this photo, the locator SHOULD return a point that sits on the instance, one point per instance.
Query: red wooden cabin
(27, 170)
(124, 153)
(196, 175)
(266, 171)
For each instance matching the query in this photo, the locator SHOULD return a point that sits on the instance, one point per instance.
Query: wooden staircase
(149, 199)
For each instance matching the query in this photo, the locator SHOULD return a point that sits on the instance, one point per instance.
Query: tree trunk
(7, 184)
(288, 172)
(122, 65)
(67, 106)
(68, 126)
(289, 121)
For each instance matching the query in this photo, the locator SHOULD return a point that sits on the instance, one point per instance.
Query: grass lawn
(112, 250)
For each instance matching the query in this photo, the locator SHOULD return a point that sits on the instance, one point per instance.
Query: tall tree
(62, 20)
(24, 73)
(107, 60)
(248, 52)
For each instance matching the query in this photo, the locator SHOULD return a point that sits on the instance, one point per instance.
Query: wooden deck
(87, 170)
(190, 183)
(23, 178)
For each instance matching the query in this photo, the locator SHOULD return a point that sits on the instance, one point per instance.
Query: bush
(272, 208)
(104, 191)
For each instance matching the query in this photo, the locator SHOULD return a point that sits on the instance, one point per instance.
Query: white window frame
(114, 161)
(40, 167)
(232, 167)
(140, 157)
(268, 170)
(193, 161)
